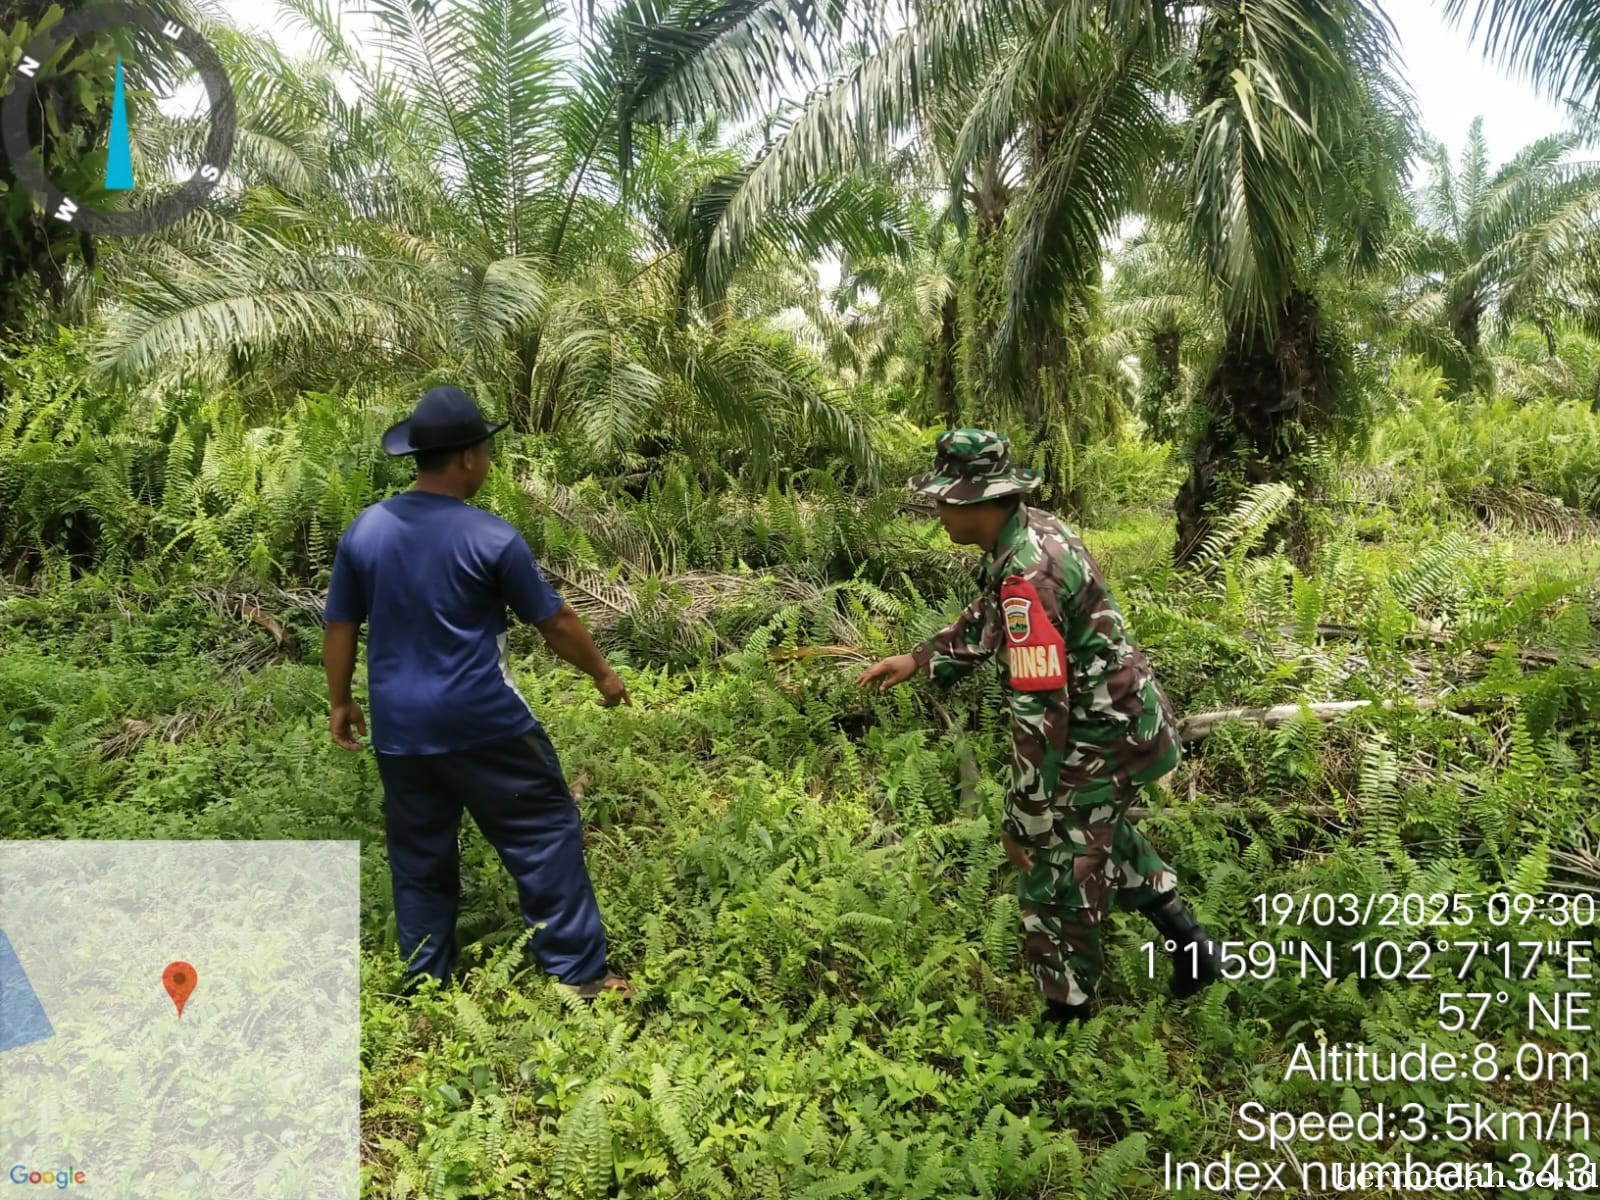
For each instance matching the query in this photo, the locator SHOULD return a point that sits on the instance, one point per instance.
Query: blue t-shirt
(432, 577)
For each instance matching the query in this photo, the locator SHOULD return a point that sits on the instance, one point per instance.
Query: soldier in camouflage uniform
(1090, 726)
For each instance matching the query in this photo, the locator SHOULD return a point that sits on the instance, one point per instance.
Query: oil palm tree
(477, 209)
(1501, 242)
(1159, 301)
(1262, 129)
(411, 235)
(1047, 119)
(1297, 134)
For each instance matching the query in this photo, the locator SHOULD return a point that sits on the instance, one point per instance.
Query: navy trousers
(518, 796)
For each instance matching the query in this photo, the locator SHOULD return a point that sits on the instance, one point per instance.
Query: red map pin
(179, 980)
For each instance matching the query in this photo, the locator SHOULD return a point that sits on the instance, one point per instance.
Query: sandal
(606, 983)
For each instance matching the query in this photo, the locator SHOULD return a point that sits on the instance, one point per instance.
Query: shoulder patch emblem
(1017, 625)
(1035, 649)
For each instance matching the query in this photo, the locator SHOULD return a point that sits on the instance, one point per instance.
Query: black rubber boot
(1066, 1014)
(1194, 961)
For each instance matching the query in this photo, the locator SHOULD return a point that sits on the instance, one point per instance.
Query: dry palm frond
(592, 593)
(841, 653)
(709, 591)
(174, 728)
(1533, 511)
(1580, 861)
(123, 743)
(688, 603)
(305, 600)
(250, 607)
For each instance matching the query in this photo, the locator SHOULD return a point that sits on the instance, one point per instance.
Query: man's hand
(612, 690)
(1015, 852)
(339, 722)
(888, 672)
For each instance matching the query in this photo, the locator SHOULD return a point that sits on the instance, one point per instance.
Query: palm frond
(727, 57)
(1286, 93)
(260, 294)
(842, 213)
(845, 122)
(1077, 197)
(606, 388)
(1554, 45)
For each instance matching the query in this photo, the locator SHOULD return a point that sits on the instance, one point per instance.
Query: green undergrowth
(816, 915)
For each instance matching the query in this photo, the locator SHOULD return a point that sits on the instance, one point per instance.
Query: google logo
(58, 1179)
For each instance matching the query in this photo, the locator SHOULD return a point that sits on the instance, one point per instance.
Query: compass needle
(119, 155)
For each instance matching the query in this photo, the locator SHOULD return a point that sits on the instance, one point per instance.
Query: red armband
(1036, 651)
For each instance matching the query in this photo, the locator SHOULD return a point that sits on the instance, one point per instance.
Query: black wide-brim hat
(446, 418)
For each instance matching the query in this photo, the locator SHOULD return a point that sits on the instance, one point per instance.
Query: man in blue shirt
(431, 577)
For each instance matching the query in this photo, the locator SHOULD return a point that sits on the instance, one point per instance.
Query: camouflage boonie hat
(974, 465)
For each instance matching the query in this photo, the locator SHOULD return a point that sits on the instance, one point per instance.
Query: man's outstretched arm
(532, 598)
(961, 647)
(954, 652)
(568, 637)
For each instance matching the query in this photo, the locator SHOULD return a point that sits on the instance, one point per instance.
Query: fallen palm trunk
(1525, 655)
(1193, 728)
(1311, 810)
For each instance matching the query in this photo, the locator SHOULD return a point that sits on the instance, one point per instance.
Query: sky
(1453, 84)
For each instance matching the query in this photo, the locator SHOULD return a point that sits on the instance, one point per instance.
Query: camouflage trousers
(1066, 897)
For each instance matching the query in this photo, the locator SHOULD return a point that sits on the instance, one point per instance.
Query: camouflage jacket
(1110, 729)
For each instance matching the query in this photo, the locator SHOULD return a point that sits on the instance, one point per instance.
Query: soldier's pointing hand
(889, 672)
